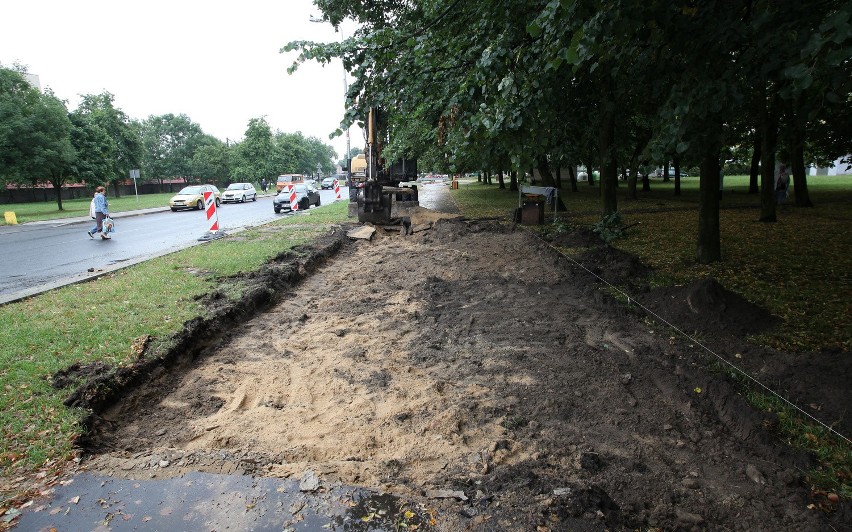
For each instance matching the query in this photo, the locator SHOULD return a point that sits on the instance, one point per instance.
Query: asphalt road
(43, 255)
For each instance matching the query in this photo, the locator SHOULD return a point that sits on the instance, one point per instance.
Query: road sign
(134, 175)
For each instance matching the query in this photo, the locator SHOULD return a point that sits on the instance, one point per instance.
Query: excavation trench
(469, 370)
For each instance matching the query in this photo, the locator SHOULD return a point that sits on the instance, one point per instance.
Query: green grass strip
(99, 320)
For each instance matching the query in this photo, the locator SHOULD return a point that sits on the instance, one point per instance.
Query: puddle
(203, 501)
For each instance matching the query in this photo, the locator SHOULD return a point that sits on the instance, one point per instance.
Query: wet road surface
(202, 501)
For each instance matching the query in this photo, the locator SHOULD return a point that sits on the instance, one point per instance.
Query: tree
(524, 80)
(320, 155)
(169, 143)
(212, 162)
(125, 147)
(54, 155)
(254, 156)
(35, 134)
(17, 100)
(94, 148)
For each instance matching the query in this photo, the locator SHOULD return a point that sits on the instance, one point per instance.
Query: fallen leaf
(74, 500)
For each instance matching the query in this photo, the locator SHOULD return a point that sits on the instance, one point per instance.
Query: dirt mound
(465, 366)
(705, 305)
(615, 266)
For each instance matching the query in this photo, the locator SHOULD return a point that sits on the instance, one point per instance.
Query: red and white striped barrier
(337, 188)
(210, 207)
(293, 204)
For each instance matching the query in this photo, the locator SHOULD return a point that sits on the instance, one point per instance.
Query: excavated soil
(471, 367)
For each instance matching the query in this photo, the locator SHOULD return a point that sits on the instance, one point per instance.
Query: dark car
(306, 196)
(327, 183)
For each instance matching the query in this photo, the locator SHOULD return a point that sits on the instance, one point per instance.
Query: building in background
(842, 166)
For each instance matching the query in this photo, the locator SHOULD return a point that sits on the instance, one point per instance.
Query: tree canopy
(498, 84)
(41, 142)
(123, 145)
(35, 134)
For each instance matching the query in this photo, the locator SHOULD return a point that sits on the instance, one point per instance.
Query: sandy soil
(472, 367)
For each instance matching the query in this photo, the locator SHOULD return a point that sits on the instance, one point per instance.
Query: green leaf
(796, 71)
(804, 82)
(534, 29)
(573, 55)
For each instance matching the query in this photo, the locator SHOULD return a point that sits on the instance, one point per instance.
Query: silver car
(239, 192)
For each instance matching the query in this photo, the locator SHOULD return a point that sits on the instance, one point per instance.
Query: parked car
(327, 183)
(306, 196)
(671, 172)
(192, 197)
(241, 192)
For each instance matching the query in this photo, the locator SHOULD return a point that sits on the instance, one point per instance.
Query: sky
(218, 63)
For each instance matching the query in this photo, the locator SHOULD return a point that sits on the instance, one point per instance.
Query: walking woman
(101, 212)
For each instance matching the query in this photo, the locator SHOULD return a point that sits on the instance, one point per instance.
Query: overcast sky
(217, 63)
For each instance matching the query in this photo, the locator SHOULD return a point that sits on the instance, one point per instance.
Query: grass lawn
(31, 212)
(49, 332)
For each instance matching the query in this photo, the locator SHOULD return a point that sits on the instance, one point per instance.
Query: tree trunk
(57, 186)
(646, 181)
(559, 176)
(797, 155)
(769, 139)
(800, 179)
(479, 176)
(590, 179)
(513, 180)
(572, 174)
(115, 186)
(634, 168)
(666, 172)
(631, 184)
(709, 238)
(609, 166)
(548, 181)
(544, 171)
(753, 187)
(500, 180)
(677, 175)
